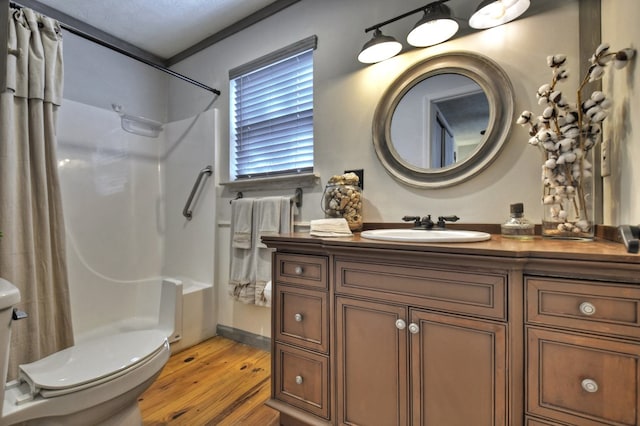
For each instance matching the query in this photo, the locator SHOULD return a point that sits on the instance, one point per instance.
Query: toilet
(96, 382)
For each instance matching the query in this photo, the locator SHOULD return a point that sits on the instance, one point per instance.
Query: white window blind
(272, 113)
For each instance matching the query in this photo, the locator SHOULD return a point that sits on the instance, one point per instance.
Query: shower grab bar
(186, 212)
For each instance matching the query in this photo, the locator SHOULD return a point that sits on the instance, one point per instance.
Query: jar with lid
(517, 226)
(342, 197)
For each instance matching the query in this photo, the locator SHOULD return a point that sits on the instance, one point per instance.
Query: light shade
(379, 48)
(436, 26)
(491, 13)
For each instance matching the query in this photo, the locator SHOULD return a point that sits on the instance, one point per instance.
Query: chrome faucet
(426, 222)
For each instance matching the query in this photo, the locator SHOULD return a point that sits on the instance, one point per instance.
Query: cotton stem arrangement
(566, 132)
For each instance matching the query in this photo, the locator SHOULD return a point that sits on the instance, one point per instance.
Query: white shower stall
(124, 188)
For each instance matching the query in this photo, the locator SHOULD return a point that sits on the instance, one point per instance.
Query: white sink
(426, 236)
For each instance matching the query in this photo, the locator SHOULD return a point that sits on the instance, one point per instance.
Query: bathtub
(197, 320)
(183, 309)
(103, 308)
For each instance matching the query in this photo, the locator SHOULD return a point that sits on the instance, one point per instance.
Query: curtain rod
(122, 51)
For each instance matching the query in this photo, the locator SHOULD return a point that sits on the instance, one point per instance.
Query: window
(271, 113)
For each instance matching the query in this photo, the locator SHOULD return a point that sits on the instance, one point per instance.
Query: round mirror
(443, 120)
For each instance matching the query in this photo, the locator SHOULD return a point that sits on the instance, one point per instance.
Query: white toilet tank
(9, 296)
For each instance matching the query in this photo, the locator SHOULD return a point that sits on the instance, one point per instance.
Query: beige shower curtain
(32, 248)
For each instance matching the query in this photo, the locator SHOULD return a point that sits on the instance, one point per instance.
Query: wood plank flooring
(217, 382)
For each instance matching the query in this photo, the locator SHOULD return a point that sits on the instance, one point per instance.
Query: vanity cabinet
(583, 351)
(494, 333)
(300, 327)
(399, 362)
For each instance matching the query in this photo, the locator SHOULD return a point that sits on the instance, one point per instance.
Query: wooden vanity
(500, 332)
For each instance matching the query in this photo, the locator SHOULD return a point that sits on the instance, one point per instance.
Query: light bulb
(494, 11)
(432, 32)
(380, 52)
(379, 48)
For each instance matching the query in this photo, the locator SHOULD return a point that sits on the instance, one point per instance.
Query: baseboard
(242, 336)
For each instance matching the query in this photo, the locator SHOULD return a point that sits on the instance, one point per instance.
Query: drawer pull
(589, 385)
(299, 380)
(587, 308)
(298, 270)
(414, 328)
(400, 324)
(298, 317)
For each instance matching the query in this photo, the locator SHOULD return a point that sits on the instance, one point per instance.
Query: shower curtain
(32, 248)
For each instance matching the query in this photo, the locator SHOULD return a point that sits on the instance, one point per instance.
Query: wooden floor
(217, 382)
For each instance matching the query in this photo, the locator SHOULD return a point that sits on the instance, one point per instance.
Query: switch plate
(605, 158)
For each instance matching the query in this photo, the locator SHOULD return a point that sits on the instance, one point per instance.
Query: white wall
(189, 244)
(346, 95)
(98, 76)
(110, 186)
(123, 194)
(622, 198)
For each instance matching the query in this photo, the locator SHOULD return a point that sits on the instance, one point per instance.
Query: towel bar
(238, 196)
(297, 198)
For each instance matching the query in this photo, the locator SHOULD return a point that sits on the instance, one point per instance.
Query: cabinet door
(371, 363)
(458, 370)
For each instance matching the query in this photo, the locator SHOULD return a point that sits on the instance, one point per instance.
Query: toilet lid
(92, 360)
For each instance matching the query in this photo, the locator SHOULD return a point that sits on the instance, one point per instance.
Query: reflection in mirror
(440, 121)
(443, 120)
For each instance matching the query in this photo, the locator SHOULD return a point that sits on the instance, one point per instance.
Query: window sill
(305, 180)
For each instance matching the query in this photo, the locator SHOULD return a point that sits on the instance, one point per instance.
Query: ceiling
(165, 32)
(163, 28)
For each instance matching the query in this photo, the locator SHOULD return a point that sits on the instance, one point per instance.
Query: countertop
(598, 250)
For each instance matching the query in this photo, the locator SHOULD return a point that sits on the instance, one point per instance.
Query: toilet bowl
(96, 382)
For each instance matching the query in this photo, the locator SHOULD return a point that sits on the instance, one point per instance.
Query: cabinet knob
(298, 270)
(589, 385)
(400, 324)
(414, 328)
(299, 380)
(587, 308)
(298, 317)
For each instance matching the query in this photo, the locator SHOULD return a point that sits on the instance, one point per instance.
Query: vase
(567, 199)
(343, 201)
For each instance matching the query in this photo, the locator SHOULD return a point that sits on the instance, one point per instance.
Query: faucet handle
(630, 236)
(415, 219)
(443, 219)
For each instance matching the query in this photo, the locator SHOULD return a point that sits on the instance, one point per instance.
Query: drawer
(301, 317)
(474, 292)
(582, 380)
(583, 305)
(303, 270)
(302, 379)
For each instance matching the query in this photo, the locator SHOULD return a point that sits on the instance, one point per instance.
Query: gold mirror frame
(496, 85)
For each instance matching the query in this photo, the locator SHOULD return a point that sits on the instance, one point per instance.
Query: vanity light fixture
(379, 48)
(438, 25)
(491, 13)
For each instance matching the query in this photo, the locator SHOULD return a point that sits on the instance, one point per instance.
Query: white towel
(269, 216)
(241, 223)
(288, 210)
(250, 269)
(330, 228)
(268, 212)
(241, 269)
(263, 296)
